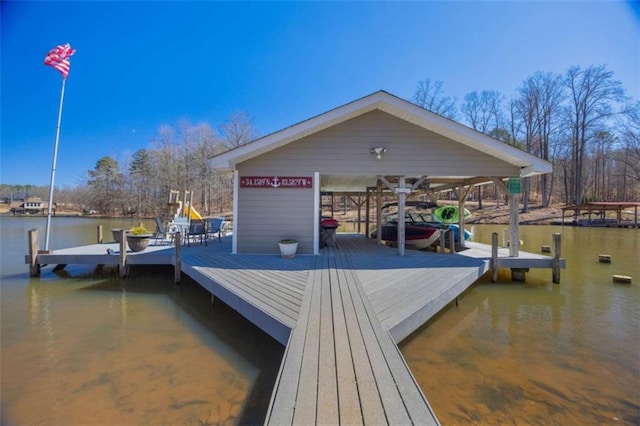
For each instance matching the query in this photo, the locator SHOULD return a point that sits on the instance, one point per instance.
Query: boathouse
(279, 178)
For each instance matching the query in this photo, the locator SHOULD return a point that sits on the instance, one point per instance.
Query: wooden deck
(339, 314)
(341, 366)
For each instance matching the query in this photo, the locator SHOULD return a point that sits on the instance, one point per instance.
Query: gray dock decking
(340, 315)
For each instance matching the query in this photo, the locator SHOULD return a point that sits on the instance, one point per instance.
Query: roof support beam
(514, 219)
(417, 183)
(402, 192)
(379, 211)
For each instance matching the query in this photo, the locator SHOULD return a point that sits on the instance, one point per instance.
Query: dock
(340, 315)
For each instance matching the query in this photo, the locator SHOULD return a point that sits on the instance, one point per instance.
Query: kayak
(449, 214)
(456, 233)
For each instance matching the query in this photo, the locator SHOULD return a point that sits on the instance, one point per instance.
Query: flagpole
(53, 168)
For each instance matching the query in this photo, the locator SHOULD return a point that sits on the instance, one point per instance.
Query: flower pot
(288, 248)
(138, 242)
(116, 234)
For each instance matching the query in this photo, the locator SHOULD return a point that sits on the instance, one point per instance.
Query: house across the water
(30, 206)
(279, 178)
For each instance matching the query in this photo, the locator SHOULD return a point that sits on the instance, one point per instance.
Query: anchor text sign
(276, 182)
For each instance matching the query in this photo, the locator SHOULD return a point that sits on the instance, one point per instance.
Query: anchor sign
(276, 182)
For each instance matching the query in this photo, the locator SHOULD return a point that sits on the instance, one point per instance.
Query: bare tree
(525, 112)
(540, 107)
(483, 111)
(628, 156)
(593, 94)
(431, 96)
(238, 129)
(631, 140)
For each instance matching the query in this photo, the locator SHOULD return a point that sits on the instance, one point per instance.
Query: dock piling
(494, 257)
(34, 267)
(604, 258)
(177, 269)
(452, 242)
(99, 235)
(556, 252)
(122, 261)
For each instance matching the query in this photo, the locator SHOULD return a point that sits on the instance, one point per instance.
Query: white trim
(316, 213)
(234, 237)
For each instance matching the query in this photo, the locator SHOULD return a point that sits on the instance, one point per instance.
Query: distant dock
(340, 315)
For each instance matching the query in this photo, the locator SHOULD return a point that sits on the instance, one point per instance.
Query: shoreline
(490, 214)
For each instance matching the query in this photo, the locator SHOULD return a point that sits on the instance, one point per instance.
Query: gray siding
(266, 216)
(344, 149)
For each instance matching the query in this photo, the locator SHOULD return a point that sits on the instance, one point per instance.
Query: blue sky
(140, 65)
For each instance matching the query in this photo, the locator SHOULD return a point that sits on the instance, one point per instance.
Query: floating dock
(340, 315)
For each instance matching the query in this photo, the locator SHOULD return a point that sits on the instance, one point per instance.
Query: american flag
(58, 57)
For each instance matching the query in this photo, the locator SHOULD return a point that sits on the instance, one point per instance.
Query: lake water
(81, 347)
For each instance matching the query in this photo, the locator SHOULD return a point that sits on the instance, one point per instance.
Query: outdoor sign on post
(276, 182)
(515, 186)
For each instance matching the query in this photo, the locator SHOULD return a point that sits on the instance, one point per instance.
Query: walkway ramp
(341, 366)
(267, 290)
(405, 292)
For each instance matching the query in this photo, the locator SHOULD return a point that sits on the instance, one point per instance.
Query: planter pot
(288, 248)
(116, 234)
(138, 242)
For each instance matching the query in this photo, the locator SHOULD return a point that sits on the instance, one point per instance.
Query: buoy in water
(604, 258)
(625, 279)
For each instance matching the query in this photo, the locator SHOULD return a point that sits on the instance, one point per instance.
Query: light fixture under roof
(378, 152)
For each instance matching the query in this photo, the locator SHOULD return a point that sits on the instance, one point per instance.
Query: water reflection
(135, 351)
(538, 353)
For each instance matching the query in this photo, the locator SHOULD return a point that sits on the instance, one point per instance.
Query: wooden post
(379, 211)
(359, 212)
(604, 258)
(452, 242)
(34, 267)
(367, 213)
(402, 195)
(177, 269)
(443, 240)
(556, 258)
(494, 257)
(122, 256)
(99, 237)
(514, 244)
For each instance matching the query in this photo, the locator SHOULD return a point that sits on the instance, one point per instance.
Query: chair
(197, 228)
(215, 228)
(181, 226)
(161, 233)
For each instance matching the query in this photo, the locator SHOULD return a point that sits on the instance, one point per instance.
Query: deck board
(351, 371)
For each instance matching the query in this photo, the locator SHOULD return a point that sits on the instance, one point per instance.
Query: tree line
(580, 121)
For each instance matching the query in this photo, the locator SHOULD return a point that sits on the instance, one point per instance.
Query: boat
(420, 229)
(449, 214)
